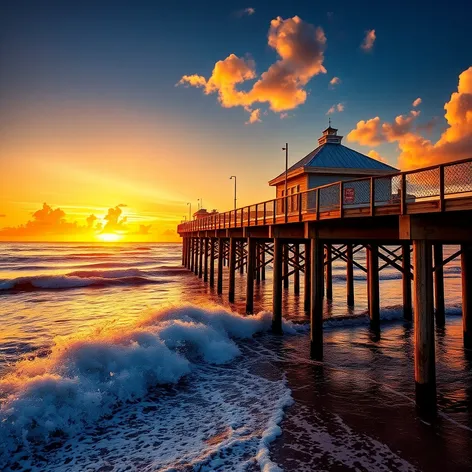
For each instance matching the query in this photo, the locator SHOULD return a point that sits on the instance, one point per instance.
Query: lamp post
(189, 211)
(234, 177)
(286, 174)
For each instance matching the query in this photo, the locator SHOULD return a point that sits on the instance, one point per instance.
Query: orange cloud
(2, 215)
(300, 47)
(144, 229)
(113, 221)
(335, 108)
(254, 117)
(334, 81)
(246, 11)
(417, 102)
(375, 155)
(416, 151)
(369, 40)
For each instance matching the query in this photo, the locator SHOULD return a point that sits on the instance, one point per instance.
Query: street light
(189, 211)
(286, 172)
(234, 177)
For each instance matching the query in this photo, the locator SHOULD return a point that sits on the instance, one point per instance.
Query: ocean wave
(77, 279)
(84, 378)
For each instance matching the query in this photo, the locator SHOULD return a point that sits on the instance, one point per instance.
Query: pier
(401, 219)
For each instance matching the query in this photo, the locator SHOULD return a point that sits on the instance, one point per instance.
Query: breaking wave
(84, 378)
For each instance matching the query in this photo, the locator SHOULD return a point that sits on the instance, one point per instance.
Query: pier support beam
(296, 273)
(466, 266)
(307, 293)
(212, 262)
(205, 260)
(200, 258)
(329, 272)
(373, 284)
(316, 305)
(221, 250)
(232, 268)
(195, 265)
(277, 288)
(349, 275)
(286, 266)
(440, 311)
(251, 266)
(406, 282)
(425, 369)
(258, 263)
(241, 257)
(263, 253)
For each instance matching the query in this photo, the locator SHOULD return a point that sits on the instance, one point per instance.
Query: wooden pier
(305, 232)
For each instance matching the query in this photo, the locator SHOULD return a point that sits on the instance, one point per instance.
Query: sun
(109, 237)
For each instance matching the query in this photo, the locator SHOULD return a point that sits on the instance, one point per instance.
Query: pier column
(277, 288)
(205, 260)
(466, 269)
(316, 305)
(251, 259)
(425, 370)
(263, 254)
(184, 245)
(221, 250)
(187, 252)
(307, 292)
(192, 254)
(406, 282)
(212, 262)
(200, 258)
(258, 263)
(373, 277)
(241, 257)
(329, 272)
(232, 268)
(285, 264)
(349, 275)
(296, 265)
(197, 247)
(440, 311)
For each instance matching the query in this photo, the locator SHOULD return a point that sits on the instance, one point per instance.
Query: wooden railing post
(317, 204)
(265, 212)
(403, 196)
(341, 199)
(372, 196)
(275, 211)
(299, 203)
(441, 188)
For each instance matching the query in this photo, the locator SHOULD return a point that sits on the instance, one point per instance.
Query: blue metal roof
(333, 155)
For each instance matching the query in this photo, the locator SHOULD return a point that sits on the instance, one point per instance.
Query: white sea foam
(88, 378)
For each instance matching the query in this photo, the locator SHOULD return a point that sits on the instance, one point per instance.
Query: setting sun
(109, 237)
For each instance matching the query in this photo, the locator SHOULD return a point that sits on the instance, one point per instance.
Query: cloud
(369, 39)
(144, 229)
(375, 155)
(246, 11)
(415, 150)
(334, 81)
(254, 117)
(284, 116)
(300, 47)
(335, 108)
(417, 102)
(113, 221)
(2, 215)
(91, 220)
(169, 232)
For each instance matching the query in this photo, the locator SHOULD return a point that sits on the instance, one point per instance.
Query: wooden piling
(197, 247)
(263, 252)
(200, 258)
(221, 250)
(232, 268)
(251, 266)
(349, 275)
(466, 266)
(307, 281)
(440, 311)
(406, 282)
(258, 263)
(192, 254)
(316, 305)
(296, 269)
(285, 265)
(425, 370)
(241, 257)
(277, 288)
(212, 262)
(205, 260)
(329, 272)
(373, 276)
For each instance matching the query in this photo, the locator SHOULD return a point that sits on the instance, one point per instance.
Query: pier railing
(400, 193)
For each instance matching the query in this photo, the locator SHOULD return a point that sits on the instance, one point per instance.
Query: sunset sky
(114, 115)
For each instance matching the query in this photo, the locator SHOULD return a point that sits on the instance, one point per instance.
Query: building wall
(300, 180)
(315, 180)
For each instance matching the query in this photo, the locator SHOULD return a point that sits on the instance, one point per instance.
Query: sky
(115, 115)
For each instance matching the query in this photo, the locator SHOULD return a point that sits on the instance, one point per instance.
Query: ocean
(115, 358)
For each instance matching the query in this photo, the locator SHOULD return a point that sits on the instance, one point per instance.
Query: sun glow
(109, 237)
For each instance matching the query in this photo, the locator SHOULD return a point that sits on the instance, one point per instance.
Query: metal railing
(367, 195)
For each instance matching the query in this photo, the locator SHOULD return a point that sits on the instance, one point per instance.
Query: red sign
(349, 195)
